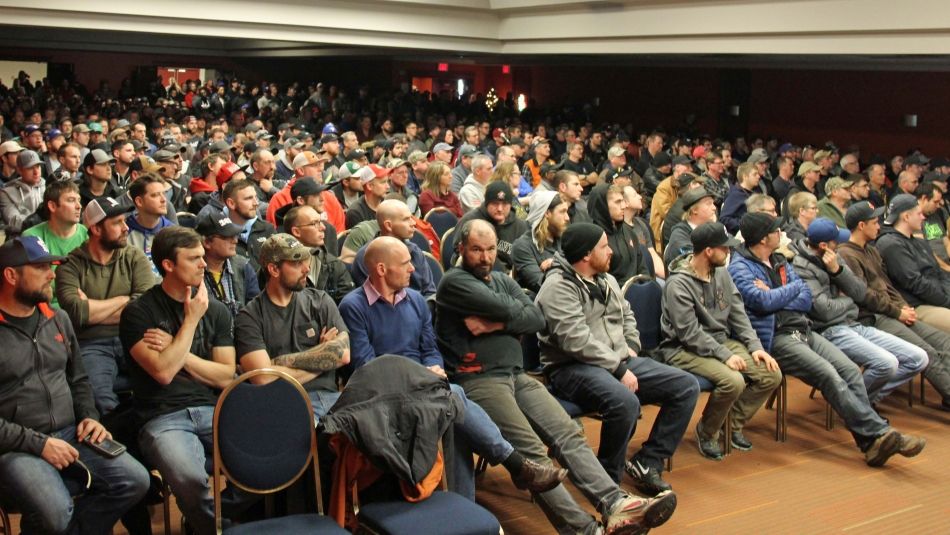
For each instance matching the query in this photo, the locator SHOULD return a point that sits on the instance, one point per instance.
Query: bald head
(388, 264)
(395, 219)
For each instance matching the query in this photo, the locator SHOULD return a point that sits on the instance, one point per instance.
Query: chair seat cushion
(287, 525)
(705, 385)
(444, 512)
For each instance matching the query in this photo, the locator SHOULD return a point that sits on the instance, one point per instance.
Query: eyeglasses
(310, 224)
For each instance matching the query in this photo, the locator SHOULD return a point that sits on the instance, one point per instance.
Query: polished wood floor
(814, 483)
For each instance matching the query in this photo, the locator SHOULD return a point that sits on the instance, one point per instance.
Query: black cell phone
(107, 448)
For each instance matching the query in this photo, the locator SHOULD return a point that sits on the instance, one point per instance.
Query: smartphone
(107, 448)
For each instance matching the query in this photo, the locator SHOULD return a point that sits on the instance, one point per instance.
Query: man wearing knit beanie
(496, 210)
(589, 350)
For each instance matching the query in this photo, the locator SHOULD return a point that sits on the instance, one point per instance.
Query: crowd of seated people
(156, 245)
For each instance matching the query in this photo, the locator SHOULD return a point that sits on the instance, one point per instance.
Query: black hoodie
(626, 262)
(507, 231)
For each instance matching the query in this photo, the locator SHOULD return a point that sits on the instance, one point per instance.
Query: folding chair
(264, 441)
(441, 220)
(435, 267)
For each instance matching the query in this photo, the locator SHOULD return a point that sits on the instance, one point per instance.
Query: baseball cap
(144, 164)
(307, 158)
(281, 246)
(899, 204)
(27, 159)
(122, 123)
(662, 159)
(711, 234)
(81, 128)
(824, 230)
(226, 172)
(10, 146)
(821, 155)
(329, 128)
(356, 154)
(95, 127)
(215, 223)
(755, 226)
(916, 159)
(468, 151)
(417, 156)
(693, 196)
(293, 143)
(807, 167)
(328, 138)
(348, 169)
(685, 179)
(53, 134)
(616, 152)
(836, 182)
(758, 156)
(682, 160)
(498, 191)
(550, 167)
(378, 171)
(396, 162)
(862, 211)
(26, 250)
(441, 146)
(30, 128)
(219, 146)
(97, 156)
(103, 208)
(305, 186)
(163, 156)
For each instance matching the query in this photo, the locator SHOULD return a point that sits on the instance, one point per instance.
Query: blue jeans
(321, 401)
(104, 360)
(595, 389)
(37, 489)
(888, 361)
(820, 364)
(179, 444)
(479, 434)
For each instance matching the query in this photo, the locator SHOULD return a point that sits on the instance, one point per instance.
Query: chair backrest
(448, 247)
(187, 219)
(264, 437)
(441, 219)
(340, 240)
(648, 260)
(435, 267)
(645, 301)
(421, 241)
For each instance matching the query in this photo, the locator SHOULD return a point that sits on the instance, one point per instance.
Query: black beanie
(579, 239)
(498, 191)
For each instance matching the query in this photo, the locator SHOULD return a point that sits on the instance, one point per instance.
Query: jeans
(530, 418)
(179, 444)
(888, 361)
(932, 340)
(37, 489)
(104, 360)
(820, 364)
(321, 401)
(595, 389)
(736, 395)
(479, 434)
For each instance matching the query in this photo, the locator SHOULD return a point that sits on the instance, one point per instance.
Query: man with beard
(589, 349)
(496, 210)
(716, 342)
(606, 205)
(263, 166)
(292, 327)
(49, 443)
(533, 253)
(94, 286)
(69, 163)
(240, 199)
(481, 315)
(327, 272)
(175, 383)
(124, 153)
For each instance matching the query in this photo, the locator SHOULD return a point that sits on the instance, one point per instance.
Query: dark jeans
(37, 489)
(595, 389)
(105, 363)
(932, 340)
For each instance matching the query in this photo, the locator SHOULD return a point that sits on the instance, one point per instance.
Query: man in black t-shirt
(291, 327)
(174, 387)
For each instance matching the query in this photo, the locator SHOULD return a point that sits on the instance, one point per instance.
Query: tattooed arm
(328, 355)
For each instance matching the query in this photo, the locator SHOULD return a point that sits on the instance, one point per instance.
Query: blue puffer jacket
(761, 305)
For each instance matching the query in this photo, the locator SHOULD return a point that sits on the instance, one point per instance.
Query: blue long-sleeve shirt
(378, 327)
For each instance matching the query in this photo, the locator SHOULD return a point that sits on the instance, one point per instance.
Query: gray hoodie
(579, 328)
(699, 316)
(833, 295)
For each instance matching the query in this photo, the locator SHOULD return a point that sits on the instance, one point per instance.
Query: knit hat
(755, 226)
(498, 191)
(579, 239)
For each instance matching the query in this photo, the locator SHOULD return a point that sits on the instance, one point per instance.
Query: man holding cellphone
(48, 419)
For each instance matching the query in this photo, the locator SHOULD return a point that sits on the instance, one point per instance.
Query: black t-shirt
(155, 309)
(27, 324)
(262, 325)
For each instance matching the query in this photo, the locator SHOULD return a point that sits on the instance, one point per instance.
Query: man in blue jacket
(777, 302)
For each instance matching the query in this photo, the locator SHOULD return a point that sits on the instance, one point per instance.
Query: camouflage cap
(279, 247)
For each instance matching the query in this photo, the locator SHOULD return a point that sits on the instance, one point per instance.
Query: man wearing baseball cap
(716, 342)
(911, 264)
(375, 182)
(97, 177)
(442, 152)
(230, 278)
(20, 198)
(42, 447)
(809, 174)
(777, 301)
(883, 305)
(887, 361)
(8, 154)
(836, 201)
(292, 327)
(699, 207)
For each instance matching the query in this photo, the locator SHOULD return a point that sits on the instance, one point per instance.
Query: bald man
(385, 316)
(395, 221)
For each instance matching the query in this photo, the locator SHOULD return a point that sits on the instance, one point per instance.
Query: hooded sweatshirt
(141, 237)
(913, 269)
(526, 253)
(699, 316)
(581, 328)
(834, 295)
(882, 297)
(626, 262)
(507, 231)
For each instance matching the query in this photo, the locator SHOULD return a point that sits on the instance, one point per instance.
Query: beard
(116, 244)
(34, 297)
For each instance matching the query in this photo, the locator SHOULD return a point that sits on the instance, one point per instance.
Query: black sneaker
(708, 447)
(645, 479)
(740, 442)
